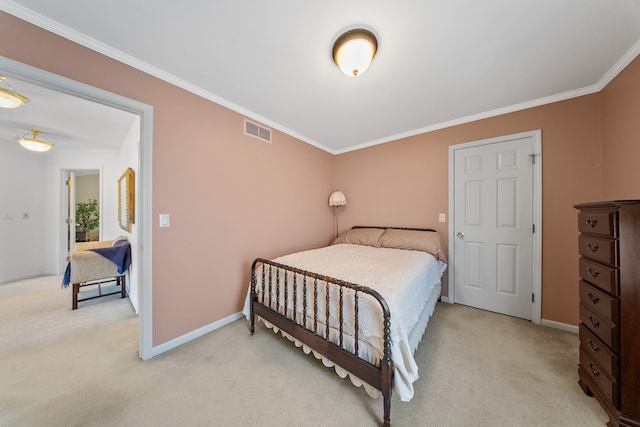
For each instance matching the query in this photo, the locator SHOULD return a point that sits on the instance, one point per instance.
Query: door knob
(460, 234)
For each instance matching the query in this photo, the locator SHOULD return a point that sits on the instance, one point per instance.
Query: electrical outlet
(442, 217)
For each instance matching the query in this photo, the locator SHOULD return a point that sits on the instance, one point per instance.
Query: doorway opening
(31, 75)
(84, 205)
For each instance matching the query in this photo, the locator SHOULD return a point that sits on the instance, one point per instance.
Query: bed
(380, 285)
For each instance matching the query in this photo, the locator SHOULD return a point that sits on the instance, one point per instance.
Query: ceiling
(439, 62)
(64, 120)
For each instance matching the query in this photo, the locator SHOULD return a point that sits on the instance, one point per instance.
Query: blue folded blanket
(119, 254)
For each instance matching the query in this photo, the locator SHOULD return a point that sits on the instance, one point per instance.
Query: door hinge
(533, 297)
(534, 228)
(69, 183)
(533, 158)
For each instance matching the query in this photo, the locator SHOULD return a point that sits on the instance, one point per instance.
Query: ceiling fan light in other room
(10, 98)
(354, 50)
(33, 143)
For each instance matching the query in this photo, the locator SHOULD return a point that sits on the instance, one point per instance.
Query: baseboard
(444, 299)
(559, 325)
(176, 342)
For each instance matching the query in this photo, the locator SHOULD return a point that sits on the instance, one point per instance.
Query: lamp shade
(337, 199)
(33, 143)
(9, 98)
(354, 50)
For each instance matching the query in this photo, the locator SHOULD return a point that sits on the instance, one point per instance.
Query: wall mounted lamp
(354, 50)
(10, 98)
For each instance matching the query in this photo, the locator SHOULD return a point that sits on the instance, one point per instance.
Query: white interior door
(493, 225)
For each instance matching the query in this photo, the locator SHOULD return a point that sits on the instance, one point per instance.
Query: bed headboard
(394, 228)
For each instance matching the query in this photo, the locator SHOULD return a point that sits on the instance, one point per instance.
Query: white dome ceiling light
(354, 50)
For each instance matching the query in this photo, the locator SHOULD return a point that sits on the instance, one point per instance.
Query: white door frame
(18, 70)
(65, 173)
(537, 214)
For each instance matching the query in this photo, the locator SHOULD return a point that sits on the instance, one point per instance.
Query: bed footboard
(297, 301)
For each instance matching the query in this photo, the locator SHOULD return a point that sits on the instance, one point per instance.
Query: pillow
(426, 241)
(360, 236)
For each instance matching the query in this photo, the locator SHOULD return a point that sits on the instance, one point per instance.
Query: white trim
(11, 68)
(559, 325)
(445, 299)
(537, 213)
(537, 220)
(145, 233)
(626, 59)
(190, 336)
(479, 116)
(55, 27)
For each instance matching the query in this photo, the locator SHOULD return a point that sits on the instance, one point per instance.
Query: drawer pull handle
(591, 222)
(593, 370)
(592, 246)
(593, 347)
(594, 299)
(593, 272)
(595, 322)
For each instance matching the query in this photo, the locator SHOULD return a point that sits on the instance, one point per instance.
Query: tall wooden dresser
(609, 268)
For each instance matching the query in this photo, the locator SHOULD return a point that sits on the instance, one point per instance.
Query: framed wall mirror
(126, 199)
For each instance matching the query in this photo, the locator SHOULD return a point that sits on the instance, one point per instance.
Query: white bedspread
(406, 279)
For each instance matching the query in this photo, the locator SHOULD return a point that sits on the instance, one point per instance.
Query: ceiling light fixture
(33, 143)
(354, 50)
(10, 98)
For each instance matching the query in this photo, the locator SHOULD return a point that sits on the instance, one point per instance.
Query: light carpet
(60, 367)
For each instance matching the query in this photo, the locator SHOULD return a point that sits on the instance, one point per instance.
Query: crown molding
(474, 117)
(626, 59)
(90, 43)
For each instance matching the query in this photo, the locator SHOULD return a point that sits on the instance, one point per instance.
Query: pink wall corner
(405, 183)
(621, 135)
(231, 197)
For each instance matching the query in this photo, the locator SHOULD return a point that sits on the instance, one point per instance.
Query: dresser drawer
(599, 352)
(599, 249)
(606, 278)
(605, 383)
(602, 327)
(599, 301)
(598, 221)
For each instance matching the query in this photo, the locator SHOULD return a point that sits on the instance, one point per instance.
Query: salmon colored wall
(405, 183)
(621, 135)
(231, 197)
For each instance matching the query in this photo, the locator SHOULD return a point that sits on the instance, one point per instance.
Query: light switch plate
(442, 217)
(165, 221)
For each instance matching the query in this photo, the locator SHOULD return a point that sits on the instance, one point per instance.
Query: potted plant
(87, 218)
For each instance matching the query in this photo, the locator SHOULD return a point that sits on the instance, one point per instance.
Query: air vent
(255, 130)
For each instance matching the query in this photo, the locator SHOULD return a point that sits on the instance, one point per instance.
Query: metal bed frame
(305, 328)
